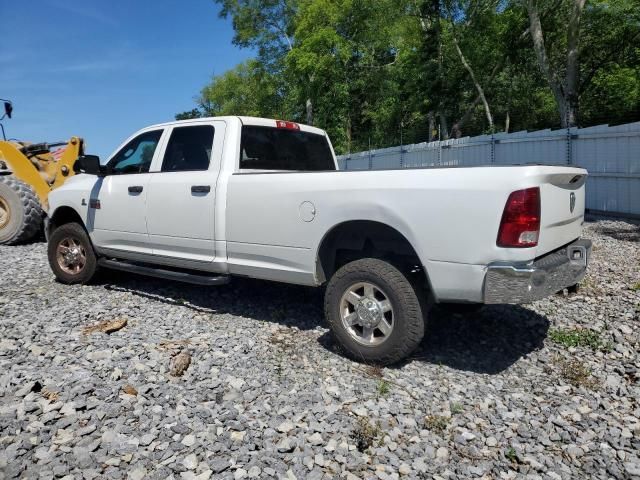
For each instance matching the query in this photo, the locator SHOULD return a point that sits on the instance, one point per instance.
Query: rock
(632, 469)
(99, 355)
(491, 442)
(254, 472)
(315, 439)
(63, 437)
(190, 462)
(285, 427)
(146, 439)
(334, 391)
(442, 453)
(218, 465)
(286, 445)
(179, 364)
(535, 407)
(137, 473)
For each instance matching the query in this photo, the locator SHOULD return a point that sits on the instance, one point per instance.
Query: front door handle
(135, 189)
(200, 188)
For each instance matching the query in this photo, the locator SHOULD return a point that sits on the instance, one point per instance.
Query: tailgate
(562, 198)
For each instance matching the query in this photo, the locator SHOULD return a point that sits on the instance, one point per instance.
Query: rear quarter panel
(449, 215)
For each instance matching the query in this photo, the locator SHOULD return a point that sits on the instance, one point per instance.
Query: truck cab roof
(244, 120)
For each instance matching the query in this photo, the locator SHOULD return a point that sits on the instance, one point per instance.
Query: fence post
(493, 149)
(569, 146)
(401, 149)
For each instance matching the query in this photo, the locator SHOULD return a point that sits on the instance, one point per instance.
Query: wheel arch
(354, 239)
(61, 216)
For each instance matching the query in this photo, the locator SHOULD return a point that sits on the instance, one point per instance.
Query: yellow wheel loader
(28, 172)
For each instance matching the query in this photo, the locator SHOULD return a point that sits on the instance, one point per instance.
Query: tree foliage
(384, 72)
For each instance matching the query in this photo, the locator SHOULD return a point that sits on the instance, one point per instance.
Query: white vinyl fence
(610, 154)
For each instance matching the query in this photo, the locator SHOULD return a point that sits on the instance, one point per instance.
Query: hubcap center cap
(369, 313)
(73, 256)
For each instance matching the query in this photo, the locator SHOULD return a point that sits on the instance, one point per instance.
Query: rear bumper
(524, 283)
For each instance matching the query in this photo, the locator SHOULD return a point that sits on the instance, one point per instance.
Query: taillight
(520, 224)
(287, 125)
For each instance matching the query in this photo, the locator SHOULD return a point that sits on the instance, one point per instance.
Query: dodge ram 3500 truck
(207, 199)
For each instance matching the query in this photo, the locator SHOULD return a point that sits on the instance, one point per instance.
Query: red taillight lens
(287, 125)
(520, 224)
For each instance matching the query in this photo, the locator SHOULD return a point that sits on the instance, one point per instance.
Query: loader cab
(8, 110)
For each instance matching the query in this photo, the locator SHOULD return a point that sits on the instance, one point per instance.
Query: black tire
(24, 219)
(408, 311)
(78, 234)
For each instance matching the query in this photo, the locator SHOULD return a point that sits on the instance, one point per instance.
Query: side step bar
(194, 278)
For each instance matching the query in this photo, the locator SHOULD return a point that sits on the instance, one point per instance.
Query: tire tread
(32, 210)
(412, 302)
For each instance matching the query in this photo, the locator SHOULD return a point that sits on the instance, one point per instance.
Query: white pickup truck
(204, 200)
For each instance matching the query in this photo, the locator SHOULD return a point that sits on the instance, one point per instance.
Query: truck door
(181, 199)
(118, 208)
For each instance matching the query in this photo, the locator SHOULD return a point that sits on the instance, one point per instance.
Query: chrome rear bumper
(524, 283)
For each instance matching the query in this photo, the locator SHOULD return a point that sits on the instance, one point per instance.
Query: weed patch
(576, 373)
(436, 423)
(577, 337)
(365, 434)
(383, 388)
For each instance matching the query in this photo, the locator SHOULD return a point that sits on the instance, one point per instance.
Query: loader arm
(42, 171)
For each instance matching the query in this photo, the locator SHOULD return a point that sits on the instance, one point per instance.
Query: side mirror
(8, 109)
(89, 164)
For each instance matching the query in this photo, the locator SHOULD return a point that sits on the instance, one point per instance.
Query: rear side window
(189, 149)
(267, 148)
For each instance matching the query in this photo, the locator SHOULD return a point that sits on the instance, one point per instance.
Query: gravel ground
(545, 391)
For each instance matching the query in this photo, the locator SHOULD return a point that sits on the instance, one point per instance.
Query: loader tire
(20, 211)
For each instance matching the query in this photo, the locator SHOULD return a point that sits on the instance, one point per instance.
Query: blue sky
(104, 69)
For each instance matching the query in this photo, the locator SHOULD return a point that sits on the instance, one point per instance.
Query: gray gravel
(510, 392)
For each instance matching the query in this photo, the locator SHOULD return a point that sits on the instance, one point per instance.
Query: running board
(193, 278)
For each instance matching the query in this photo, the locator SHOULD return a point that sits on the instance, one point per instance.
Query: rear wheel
(20, 211)
(71, 255)
(374, 312)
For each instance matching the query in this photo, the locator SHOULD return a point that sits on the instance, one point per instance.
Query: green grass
(511, 454)
(383, 388)
(456, 408)
(577, 337)
(635, 287)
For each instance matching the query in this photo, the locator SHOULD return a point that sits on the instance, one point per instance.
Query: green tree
(381, 72)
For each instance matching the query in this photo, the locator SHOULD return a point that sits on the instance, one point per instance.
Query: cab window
(136, 156)
(267, 148)
(189, 149)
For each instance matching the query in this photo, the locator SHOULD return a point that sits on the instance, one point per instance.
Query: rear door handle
(200, 188)
(135, 189)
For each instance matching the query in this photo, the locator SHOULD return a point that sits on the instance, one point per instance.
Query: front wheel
(374, 312)
(71, 254)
